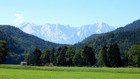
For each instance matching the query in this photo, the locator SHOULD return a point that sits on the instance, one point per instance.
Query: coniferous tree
(113, 56)
(88, 56)
(3, 51)
(56, 54)
(61, 60)
(118, 55)
(52, 55)
(102, 56)
(36, 57)
(77, 59)
(69, 56)
(45, 57)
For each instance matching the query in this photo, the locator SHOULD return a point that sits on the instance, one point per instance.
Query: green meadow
(29, 72)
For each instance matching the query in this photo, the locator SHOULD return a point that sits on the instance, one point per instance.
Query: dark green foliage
(3, 51)
(77, 58)
(19, 42)
(69, 56)
(56, 54)
(124, 38)
(23, 40)
(36, 57)
(65, 56)
(132, 26)
(27, 57)
(45, 57)
(102, 56)
(52, 55)
(133, 56)
(113, 56)
(61, 60)
(88, 56)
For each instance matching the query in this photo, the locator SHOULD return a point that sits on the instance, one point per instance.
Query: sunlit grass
(29, 72)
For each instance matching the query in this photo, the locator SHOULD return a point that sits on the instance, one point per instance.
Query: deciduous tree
(133, 56)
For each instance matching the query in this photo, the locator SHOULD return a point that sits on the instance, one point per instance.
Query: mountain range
(19, 42)
(64, 34)
(125, 37)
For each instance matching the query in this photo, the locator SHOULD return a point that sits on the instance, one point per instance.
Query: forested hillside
(125, 37)
(107, 49)
(19, 42)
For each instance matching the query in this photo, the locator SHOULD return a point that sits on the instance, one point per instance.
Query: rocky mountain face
(64, 34)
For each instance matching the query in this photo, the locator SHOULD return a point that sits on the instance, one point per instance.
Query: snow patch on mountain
(64, 33)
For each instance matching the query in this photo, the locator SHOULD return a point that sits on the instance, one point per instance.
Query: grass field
(28, 72)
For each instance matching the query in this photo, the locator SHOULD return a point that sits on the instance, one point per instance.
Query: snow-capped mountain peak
(64, 33)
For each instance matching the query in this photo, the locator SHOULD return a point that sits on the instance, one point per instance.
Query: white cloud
(19, 18)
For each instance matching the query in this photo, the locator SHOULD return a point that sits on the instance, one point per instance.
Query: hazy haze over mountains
(64, 34)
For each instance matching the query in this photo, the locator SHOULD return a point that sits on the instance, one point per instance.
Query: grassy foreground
(28, 72)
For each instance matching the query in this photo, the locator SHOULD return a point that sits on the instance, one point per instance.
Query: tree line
(62, 56)
(108, 56)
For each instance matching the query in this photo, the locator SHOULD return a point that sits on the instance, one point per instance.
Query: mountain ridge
(17, 34)
(64, 34)
(19, 42)
(125, 37)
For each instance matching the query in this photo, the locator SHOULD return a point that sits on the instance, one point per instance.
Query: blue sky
(69, 12)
